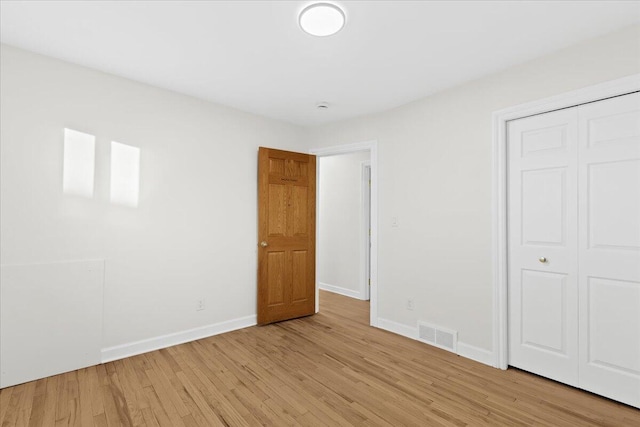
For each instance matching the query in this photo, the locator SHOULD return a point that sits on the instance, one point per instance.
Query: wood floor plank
(95, 399)
(149, 417)
(159, 376)
(62, 400)
(158, 410)
(327, 369)
(5, 397)
(36, 418)
(103, 378)
(100, 420)
(112, 416)
(129, 393)
(162, 397)
(11, 407)
(141, 365)
(25, 405)
(49, 415)
(85, 400)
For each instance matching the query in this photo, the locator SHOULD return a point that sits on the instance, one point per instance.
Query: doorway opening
(346, 232)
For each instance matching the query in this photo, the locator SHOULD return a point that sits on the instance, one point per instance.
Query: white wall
(435, 177)
(193, 234)
(340, 224)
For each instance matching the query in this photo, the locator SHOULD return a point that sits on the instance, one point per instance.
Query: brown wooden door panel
(286, 223)
(277, 210)
(300, 203)
(276, 278)
(299, 261)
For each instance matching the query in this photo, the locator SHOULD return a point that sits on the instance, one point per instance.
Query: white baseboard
(465, 350)
(144, 346)
(398, 328)
(338, 290)
(476, 353)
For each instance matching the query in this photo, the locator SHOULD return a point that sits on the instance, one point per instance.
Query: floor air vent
(437, 336)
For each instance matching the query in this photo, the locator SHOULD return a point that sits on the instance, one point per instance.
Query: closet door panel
(542, 240)
(609, 247)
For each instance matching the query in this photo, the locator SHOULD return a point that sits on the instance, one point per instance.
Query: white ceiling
(251, 54)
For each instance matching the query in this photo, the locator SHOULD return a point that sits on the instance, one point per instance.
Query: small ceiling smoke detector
(322, 19)
(322, 105)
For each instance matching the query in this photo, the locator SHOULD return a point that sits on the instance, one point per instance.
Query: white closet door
(609, 250)
(543, 299)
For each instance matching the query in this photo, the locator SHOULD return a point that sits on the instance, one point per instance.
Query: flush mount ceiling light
(322, 19)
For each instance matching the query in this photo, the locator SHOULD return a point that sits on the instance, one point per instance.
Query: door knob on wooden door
(264, 244)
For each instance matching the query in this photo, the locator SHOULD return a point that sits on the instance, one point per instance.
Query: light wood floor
(328, 369)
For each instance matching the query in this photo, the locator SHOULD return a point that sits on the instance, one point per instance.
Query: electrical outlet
(410, 304)
(200, 304)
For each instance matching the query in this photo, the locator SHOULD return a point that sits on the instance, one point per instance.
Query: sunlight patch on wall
(79, 163)
(125, 174)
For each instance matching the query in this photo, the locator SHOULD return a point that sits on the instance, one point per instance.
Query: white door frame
(499, 183)
(365, 197)
(372, 147)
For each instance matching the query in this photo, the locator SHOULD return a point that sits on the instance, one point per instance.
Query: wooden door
(286, 235)
(543, 276)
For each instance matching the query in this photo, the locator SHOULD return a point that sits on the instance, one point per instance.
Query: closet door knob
(542, 259)
(264, 244)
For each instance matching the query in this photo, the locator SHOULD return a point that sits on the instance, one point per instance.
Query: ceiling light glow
(322, 19)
